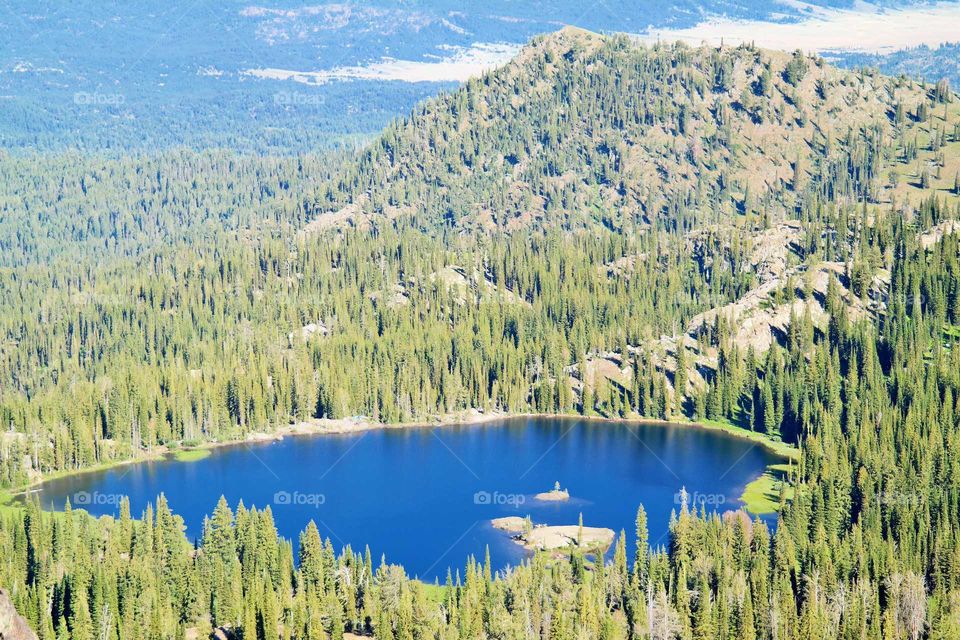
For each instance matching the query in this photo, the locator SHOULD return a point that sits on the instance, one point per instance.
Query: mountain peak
(583, 129)
(572, 33)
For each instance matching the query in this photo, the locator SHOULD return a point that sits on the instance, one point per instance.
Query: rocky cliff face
(12, 624)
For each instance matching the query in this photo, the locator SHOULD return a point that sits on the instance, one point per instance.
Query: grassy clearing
(7, 503)
(190, 455)
(763, 494)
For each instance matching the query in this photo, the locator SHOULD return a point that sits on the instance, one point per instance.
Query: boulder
(12, 624)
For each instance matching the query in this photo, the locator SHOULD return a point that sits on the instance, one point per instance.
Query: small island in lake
(555, 495)
(548, 538)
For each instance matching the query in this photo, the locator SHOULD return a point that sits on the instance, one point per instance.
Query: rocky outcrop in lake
(548, 538)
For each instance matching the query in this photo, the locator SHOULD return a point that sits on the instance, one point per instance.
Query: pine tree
(680, 376)
(641, 559)
(769, 411)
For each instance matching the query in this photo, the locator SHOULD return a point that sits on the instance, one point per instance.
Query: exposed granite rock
(12, 624)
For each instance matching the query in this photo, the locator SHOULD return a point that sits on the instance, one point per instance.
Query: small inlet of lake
(424, 497)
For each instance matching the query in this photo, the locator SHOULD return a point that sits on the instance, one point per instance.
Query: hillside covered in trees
(598, 228)
(583, 130)
(183, 297)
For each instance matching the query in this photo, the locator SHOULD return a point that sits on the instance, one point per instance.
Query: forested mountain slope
(196, 314)
(122, 333)
(76, 206)
(921, 61)
(585, 130)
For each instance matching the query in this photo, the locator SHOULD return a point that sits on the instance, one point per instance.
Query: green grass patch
(7, 503)
(763, 494)
(190, 455)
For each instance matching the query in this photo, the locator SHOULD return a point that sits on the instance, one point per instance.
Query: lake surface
(424, 497)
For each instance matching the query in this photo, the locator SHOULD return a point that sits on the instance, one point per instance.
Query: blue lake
(424, 497)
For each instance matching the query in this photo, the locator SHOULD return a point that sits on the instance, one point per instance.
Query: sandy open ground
(554, 495)
(510, 524)
(548, 538)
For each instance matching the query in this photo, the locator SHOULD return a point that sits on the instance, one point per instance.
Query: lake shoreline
(341, 426)
(360, 424)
